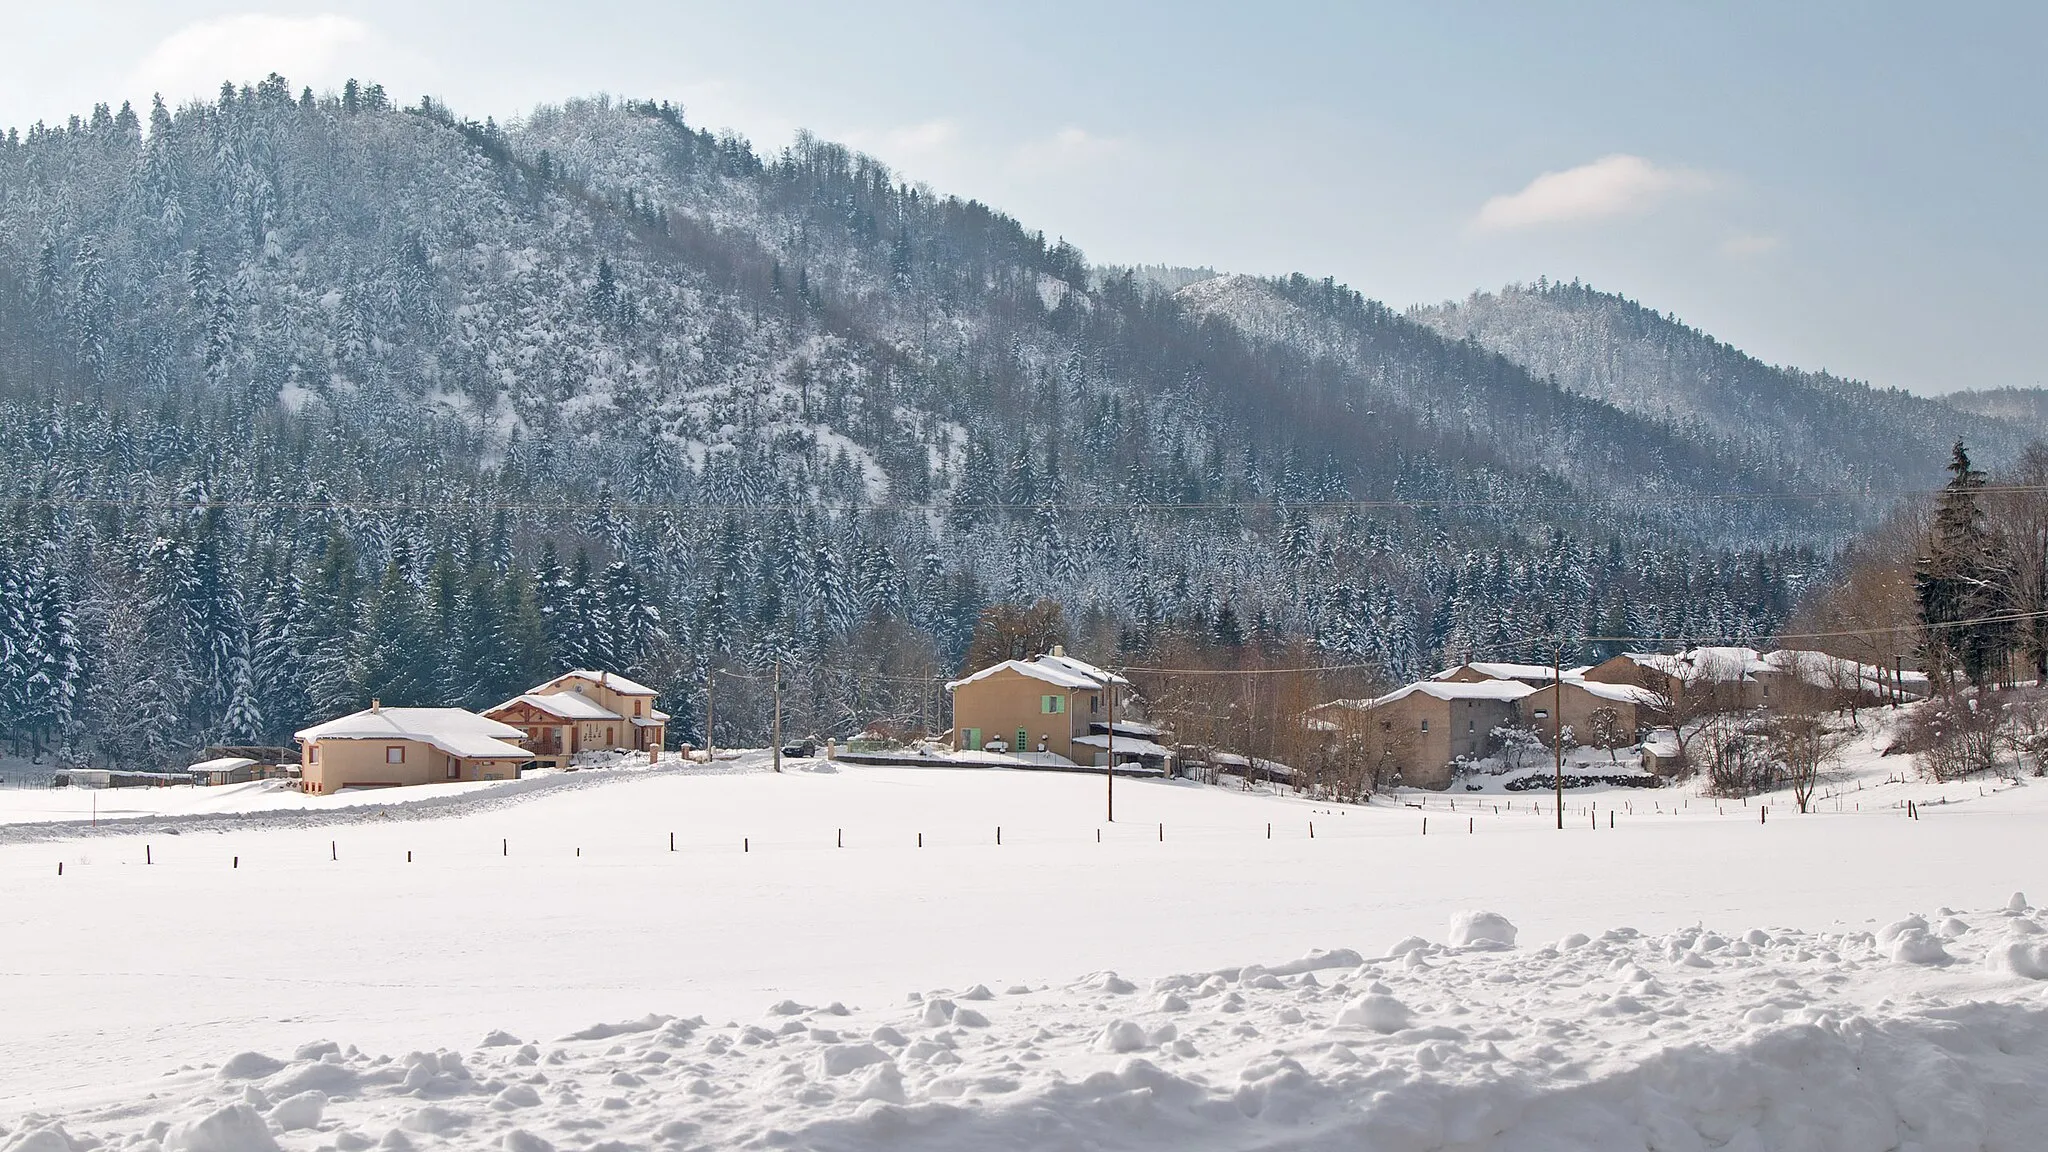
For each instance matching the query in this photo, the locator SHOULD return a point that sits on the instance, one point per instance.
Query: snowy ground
(1740, 976)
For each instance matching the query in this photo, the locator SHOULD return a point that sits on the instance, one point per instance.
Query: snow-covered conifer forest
(308, 399)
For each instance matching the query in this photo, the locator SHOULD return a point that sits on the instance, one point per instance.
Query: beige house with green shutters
(1044, 704)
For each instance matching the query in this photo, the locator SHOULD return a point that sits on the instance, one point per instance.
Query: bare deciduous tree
(1799, 739)
(1604, 727)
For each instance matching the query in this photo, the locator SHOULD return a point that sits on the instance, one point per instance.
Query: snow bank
(1780, 1039)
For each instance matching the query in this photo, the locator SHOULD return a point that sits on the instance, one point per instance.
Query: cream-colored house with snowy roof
(1051, 700)
(585, 711)
(383, 747)
(1438, 721)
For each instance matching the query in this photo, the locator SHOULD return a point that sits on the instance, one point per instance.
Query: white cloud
(1619, 185)
(1749, 244)
(319, 51)
(1067, 147)
(907, 145)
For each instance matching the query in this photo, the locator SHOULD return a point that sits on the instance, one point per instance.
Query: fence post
(1425, 825)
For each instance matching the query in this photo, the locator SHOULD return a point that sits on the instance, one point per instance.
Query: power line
(1076, 507)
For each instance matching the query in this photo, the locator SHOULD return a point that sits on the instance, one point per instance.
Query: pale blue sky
(1851, 186)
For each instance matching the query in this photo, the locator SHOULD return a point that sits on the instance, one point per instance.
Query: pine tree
(1961, 580)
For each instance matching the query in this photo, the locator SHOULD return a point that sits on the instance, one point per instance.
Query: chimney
(376, 705)
(1059, 650)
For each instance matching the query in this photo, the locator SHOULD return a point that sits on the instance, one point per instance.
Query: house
(1579, 701)
(1660, 753)
(1441, 722)
(224, 770)
(1661, 674)
(585, 711)
(1051, 700)
(383, 747)
(1731, 674)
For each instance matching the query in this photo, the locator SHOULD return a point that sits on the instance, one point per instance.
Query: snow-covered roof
(1621, 693)
(1722, 664)
(223, 764)
(1497, 670)
(462, 734)
(566, 705)
(1504, 690)
(1660, 662)
(1126, 745)
(1059, 671)
(1057, 677)
(611, 680)
(1081, 668)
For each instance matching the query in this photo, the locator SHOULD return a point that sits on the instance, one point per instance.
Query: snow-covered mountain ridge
(283, 375)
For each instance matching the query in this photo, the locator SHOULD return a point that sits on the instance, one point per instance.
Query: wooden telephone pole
(777, 737)
(710, 743)
(1109, 770)
(1557, 724)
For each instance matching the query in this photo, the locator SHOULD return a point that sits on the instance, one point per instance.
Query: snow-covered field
(1738, 980)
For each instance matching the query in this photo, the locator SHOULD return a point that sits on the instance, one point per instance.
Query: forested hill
(308, 399)
(1825, 430)
(2024, 407)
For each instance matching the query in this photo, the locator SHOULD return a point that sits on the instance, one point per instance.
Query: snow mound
(1376, 1011)
(301, 1111)
(1481, 928)
(51, 1138)
(235, 1128)
(249, 1066)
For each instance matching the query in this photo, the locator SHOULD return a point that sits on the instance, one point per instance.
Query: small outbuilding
(224, 770)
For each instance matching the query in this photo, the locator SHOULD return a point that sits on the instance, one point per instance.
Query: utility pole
(777, 736)
(1109, 771)
(710, 743)
(1557, 723)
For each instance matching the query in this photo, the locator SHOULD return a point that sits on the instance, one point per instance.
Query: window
(313, 754)
(1095, 703)
(608, 738)
(1543, 713)
(395, 754)
(1052, 705)
(1471, 726)
(636, 707)
(1425, 725)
